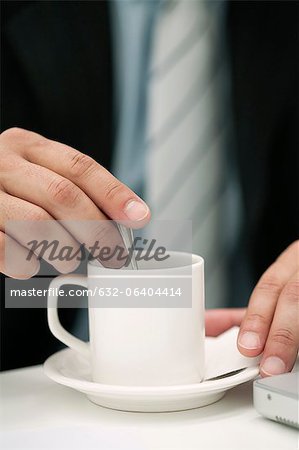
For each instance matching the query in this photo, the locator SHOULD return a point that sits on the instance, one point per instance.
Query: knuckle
(269, 284)
(18, 140)
(15, 133)
(291, 291)
(36, 214)
(24, 136)
(40, 142)
(113, 189)
(255, 321)
(284, 337)
(63, 191)
(81, 165)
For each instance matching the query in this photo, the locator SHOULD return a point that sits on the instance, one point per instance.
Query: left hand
(270, 324)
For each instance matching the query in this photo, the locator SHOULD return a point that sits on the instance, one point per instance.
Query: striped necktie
(187, 131)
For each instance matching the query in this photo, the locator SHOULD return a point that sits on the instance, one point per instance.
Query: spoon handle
(128, 239)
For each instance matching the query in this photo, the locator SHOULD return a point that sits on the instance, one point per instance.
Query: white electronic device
(277, 398)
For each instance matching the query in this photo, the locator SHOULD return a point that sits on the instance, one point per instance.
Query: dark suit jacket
(57, 75)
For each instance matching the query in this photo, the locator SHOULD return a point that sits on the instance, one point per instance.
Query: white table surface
(36, 413)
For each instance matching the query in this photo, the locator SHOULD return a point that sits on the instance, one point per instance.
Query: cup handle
(53, 320)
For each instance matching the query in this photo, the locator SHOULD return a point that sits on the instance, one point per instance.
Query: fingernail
(135, 210)
(26, 276)
(273, 366)
(249, 340)
(36, 271)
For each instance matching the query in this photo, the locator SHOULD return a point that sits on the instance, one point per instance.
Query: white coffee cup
(141, 346)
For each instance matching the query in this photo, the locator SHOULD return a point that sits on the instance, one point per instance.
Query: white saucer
(71, 369)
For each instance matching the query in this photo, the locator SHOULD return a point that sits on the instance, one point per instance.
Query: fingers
(40, 227)
(60, 199)
(70, 187)
(271, 324)
(283, 341)
(219, 320)
(115, 199)
(21, 269)
(55, 194)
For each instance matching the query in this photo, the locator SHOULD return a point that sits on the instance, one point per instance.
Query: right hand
(42, 180)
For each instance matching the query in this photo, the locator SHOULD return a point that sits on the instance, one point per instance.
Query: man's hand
(42, 180)
(271, 322)
(218, 321)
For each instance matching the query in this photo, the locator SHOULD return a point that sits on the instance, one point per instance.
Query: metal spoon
(128, 239)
